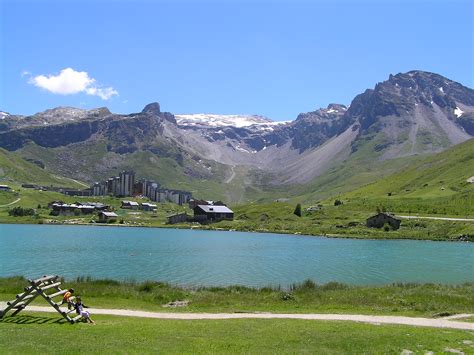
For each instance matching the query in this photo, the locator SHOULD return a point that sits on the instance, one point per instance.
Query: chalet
(382, 218)
(213, 213)
(130, 205)
(146, 206)
(193, 203)
(29, 186)
(65, 209)
(97, 205)
(177, 218)
(5, 188)
(85, 192)
(107, 217)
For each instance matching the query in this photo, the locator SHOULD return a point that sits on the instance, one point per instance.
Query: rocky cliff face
(414, 112)
(410, 113)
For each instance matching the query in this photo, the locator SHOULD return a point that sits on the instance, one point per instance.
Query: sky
(272, 58)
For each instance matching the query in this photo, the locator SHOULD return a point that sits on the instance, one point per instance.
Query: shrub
(298, 210)
(287, 297)
(386, 227)
(334, 286)
(147, 286)
(337, 203)
(20, 212)
(307, 285)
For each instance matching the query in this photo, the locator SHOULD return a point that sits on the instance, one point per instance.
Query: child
(80, 310)
(68, 298)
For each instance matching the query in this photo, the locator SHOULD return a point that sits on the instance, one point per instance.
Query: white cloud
(25, 73)
(69, 82)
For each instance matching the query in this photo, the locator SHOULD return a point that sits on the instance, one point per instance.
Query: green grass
(434, 186)
(347, 220)
(429, 300)
(14, 170)
(439, 176)
(33, 333)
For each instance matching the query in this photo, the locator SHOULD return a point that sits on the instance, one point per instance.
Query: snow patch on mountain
(458, 112)
(3, 115)
(214, 120)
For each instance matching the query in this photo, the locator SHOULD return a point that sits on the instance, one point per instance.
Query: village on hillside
(124, 185)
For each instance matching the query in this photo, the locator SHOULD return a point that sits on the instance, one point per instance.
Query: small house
(177, 218)
(107, 217)
(214, 213)
(130, 205)
(149, 207)
(382, 218)
(5, 188)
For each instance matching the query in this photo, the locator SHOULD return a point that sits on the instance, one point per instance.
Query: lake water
(191, 257)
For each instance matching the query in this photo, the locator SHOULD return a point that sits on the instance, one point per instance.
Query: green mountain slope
(15, 169)
(436, 184)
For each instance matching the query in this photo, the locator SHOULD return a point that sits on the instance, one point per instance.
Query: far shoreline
(220, 229)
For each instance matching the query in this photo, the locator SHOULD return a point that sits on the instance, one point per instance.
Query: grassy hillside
(434, 185)
(92, 161)
(363, 166)
(13, 168)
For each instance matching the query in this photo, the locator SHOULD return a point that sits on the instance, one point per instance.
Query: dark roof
(386, 214)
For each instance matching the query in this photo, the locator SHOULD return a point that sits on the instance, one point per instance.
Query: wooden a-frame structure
(39, 287)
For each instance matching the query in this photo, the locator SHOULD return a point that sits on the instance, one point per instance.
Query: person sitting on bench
(80, 310)
(68, 298)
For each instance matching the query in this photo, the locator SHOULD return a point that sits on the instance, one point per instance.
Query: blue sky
(275, 58)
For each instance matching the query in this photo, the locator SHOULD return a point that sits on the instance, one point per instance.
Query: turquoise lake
(191, 257)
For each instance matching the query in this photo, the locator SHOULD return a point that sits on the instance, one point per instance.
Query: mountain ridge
(409, 114)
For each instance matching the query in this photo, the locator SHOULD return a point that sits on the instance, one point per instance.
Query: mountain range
(249, 157)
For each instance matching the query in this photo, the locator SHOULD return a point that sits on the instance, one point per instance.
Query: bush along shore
(428, 300)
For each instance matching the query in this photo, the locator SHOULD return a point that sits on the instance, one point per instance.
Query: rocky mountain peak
(336, 107)
(152, 108)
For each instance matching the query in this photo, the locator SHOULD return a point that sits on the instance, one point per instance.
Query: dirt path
(232, 176)
(11, 203)
(439, 218)
(420, 322)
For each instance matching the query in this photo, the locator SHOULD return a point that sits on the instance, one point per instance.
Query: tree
(20, 212)
(298, 210)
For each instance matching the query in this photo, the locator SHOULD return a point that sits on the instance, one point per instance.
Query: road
(439, 218)
(372, 319)
(232, 176)
(11, 203)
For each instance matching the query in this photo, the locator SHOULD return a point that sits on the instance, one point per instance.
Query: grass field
(14, 169)
(33, 333)
(346, 220)
(428, 300)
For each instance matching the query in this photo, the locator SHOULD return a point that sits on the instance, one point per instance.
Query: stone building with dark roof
(382, 218)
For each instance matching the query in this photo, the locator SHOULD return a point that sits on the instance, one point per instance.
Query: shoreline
(203, 228)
